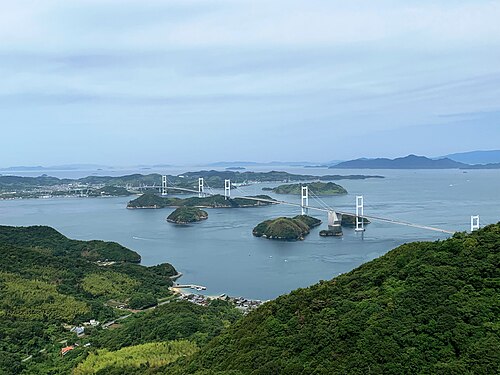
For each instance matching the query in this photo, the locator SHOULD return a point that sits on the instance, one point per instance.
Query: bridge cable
(321, 202)
(209, 188)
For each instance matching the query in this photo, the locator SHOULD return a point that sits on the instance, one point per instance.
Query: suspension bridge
(334, 216)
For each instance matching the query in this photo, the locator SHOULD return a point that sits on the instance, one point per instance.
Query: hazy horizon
(185, 82)
(224, 163)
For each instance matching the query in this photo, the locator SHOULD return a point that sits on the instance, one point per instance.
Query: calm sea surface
(221, 253)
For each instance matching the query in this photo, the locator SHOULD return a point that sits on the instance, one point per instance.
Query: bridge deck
(321, 209)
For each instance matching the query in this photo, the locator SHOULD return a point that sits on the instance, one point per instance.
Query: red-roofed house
(67, 349)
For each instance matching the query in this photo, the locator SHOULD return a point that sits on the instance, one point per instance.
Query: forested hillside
(429, 308)
(425, 307)
(48, 280)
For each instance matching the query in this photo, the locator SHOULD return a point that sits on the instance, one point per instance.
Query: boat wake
(142, 238)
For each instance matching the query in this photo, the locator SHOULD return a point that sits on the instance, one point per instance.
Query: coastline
(244, 304)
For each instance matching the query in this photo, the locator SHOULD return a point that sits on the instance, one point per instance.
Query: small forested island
(154, 200)
(318, 188)
(285, 228)
(186, 215)
(330, 233)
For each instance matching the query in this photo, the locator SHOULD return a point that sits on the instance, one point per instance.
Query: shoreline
(184, 293)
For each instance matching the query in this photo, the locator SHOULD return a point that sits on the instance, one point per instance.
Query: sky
(119, 82)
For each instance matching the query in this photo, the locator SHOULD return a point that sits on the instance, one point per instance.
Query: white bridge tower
(201, 187)
(227, 189)
(304, 200)
(474, 223)
(360, 220)
(163, 185)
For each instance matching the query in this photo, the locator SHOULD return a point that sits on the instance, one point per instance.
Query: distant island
(285, 228)
(186, 215)
(319, 188)
(420, 162)
(44, 186)
(153, 200)
(477, 157)
(407, 162)
(216, 178)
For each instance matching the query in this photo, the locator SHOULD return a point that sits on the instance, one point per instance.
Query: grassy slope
(134, 358)
(421, 308)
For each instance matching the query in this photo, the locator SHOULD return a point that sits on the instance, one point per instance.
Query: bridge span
(305, 206)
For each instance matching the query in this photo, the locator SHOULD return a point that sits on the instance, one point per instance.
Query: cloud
(122, 25)
(245, 68)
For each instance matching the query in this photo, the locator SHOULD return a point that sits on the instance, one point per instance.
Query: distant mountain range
(476, 157)
(407, 162)
(463, 160)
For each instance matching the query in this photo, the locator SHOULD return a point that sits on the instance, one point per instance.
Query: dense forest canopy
(57, 244)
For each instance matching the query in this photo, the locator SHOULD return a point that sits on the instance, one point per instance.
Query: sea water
(222, 254)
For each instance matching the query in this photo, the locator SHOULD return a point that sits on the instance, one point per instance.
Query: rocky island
(186, 215)
(319, 188)
(285, 228)
(153, 200)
